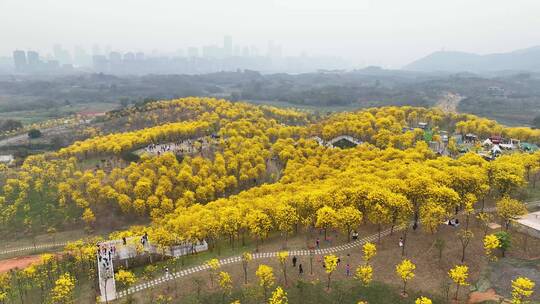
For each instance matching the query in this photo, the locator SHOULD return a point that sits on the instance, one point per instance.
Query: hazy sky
(382, 32)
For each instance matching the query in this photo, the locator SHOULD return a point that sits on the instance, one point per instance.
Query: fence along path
(33, 247)
(256, 256)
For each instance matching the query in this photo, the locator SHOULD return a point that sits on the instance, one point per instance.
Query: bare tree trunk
(404, 240)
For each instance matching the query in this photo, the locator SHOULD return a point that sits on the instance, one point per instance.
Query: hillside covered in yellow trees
(257, 161)
(201, 169)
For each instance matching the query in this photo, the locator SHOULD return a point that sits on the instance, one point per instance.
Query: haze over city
(364, 32)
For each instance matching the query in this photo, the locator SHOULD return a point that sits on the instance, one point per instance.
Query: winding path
(256, 256)
(263, 255)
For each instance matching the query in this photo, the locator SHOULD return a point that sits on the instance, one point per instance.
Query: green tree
(34, 133)
(505, 241)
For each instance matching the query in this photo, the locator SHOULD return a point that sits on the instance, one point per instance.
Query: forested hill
(220, 149)
(512, 98)
(520, 60)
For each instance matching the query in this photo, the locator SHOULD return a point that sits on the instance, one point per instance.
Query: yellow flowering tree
(348, 218)
(510, 209)
(465, 237)
(405, 271)
(213, 267)
(125, 278)
(369, 250)
(5, 286)
(282, 259)
(279, 296)
(485, 218)
(491, 242)
(423, 300)
(327, 218)
(364, 273)
(459, 275)
(265, 274)
(63, 289)
(246, 258)
(330, 264)
(225, 282)
(522, 288)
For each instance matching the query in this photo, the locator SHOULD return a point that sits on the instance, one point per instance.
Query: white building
(530, 224)
(6, 159)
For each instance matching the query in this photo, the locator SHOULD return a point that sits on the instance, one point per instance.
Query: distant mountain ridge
(450, 61)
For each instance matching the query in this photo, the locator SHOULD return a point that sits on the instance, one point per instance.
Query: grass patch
(343, 291)
(533, 194)
(41, 114)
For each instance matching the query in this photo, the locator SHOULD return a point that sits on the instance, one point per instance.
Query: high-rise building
(237, 50)
(100, 63)
(115, 58)
(245, 52)
(180, 53)
(193, 52)
(129, 56)
(33, 59)
(96, 50)
(227, 46)
(81, 58)
(19, 59)
(61, 55)
(212, 51)
(274, 50)
(254, 51)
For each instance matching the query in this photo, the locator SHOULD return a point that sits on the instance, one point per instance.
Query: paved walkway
(36, 248)
(256, 256)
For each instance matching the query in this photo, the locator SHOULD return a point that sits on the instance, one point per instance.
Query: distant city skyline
(387, 33)
(226, 56)
(227, 48)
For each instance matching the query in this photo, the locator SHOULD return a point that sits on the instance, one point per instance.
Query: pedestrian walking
(348, 270)
(300, 269)
(400, 242)
(318, 242)
(294, 259)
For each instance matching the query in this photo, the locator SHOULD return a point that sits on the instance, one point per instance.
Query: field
(40, 114)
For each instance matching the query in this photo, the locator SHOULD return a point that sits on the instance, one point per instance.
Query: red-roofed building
(496, 139)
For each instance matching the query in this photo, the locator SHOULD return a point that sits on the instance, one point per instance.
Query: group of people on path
(294, 261)
(184, 146)
(144, 239)
(105, 254)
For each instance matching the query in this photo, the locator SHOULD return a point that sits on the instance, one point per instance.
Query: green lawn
(40, 114)
(533, 194)
(349, 291)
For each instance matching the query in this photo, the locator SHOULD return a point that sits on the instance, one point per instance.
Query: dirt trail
(18, 262)
(449, 102)
(481, 297)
